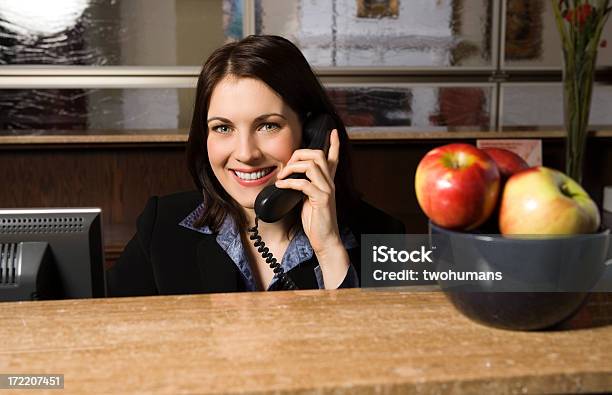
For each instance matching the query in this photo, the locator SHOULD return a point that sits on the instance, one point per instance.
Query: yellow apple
(544, 201)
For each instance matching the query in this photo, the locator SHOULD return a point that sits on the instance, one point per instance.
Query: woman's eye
(266, 127)
(221, 129)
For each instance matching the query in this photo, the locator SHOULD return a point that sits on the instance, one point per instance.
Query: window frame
(33, 76)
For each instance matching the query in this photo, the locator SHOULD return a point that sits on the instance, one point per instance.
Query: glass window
(23, 111)
(540, 106)
(446, 40)
(118, 33)
(375, 33)
(419, 107)
(532, 38)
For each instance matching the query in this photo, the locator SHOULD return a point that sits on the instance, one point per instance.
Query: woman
(252, 100)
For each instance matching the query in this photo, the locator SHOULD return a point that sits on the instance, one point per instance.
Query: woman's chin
(248, 203)
(245, 197)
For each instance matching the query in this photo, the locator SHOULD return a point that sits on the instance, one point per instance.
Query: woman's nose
(247, 149)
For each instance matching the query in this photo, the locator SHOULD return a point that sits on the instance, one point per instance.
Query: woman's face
(252, 134)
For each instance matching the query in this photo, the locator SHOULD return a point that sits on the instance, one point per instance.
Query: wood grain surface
(342, 342)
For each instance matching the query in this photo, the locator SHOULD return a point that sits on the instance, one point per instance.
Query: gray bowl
(544, 280)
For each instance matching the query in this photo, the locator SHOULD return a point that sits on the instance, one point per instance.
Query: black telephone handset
(274, 203)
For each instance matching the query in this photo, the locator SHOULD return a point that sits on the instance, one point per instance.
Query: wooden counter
(342, 342)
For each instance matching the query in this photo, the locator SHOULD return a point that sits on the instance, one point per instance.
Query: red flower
(582, 14)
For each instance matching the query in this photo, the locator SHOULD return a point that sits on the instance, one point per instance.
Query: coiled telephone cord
(286, 281)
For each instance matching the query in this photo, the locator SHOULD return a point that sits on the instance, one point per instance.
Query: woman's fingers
(318, 167)
(315, 195)
(334, 153)
(312, 171)
(328, 164)
(307, 155)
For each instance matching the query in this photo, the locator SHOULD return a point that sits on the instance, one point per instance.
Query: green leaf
(560, 25)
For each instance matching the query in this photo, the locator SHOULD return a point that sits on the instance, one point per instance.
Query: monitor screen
(54, 253)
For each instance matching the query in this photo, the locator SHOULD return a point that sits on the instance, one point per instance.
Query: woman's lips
(252, 183)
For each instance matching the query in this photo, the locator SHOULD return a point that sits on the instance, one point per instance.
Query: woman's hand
(319, 209)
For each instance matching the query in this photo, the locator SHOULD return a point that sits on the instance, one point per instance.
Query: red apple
(457, 186)
(508, 163)
(543, 201)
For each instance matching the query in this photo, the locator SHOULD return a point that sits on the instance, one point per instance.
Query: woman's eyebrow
(256, 120)
(225, 120)
(264, 116)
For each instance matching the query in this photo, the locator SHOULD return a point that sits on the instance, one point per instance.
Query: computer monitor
(53, 253)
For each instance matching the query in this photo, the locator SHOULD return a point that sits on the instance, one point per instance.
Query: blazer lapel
(217, 270)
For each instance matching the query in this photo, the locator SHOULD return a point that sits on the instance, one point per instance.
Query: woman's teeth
(254, 175)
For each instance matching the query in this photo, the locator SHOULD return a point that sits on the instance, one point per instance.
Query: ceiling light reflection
(40, 17)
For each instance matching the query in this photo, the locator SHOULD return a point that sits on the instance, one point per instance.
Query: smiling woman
(250, 143)
(252, 100)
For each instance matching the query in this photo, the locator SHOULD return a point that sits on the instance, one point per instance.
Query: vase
(578, 73)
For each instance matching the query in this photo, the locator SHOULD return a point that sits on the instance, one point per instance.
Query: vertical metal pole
(499, 49)
(334, 33)
(248, 17)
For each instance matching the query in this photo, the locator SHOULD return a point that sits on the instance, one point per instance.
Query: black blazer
(164, 258)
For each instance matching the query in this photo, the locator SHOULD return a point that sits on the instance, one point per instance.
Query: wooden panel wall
(120, 178)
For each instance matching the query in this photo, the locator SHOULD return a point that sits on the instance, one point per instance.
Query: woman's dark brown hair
(280, 64)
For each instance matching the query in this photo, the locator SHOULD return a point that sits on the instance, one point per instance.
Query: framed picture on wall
(377, 8)
(523, 29)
